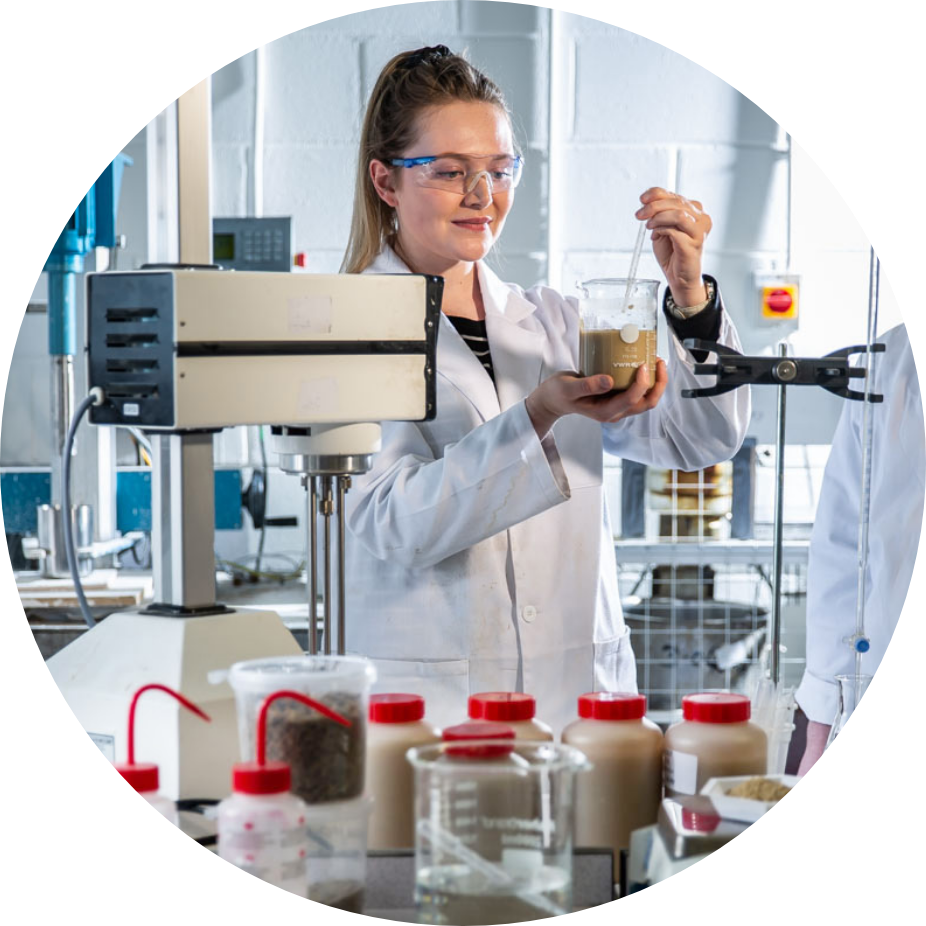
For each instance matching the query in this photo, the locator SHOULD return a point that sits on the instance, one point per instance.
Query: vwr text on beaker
(518, 823)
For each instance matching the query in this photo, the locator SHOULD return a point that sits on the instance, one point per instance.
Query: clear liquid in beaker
(455, 894)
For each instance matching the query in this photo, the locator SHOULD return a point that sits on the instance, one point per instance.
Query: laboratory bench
(688, 829)
(389, 887)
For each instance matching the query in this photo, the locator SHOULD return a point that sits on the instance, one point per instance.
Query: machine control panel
(253, 243)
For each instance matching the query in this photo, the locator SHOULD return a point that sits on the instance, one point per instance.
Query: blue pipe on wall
(93, 224)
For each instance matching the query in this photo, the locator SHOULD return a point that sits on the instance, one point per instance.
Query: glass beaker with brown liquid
(617, 329)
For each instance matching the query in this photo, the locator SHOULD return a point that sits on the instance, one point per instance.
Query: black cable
(95, 398)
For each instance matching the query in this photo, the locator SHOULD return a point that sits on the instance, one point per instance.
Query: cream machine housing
(179, 349)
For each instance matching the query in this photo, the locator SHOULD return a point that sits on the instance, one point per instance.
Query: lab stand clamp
(733, 370)
(833, 373)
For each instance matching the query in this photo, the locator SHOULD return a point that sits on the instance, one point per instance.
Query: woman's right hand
(572, 394)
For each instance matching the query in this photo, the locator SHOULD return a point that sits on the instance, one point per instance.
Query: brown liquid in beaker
(606, 351)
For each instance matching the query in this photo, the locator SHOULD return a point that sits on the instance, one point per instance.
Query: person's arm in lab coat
(832, 583)
(417, 510)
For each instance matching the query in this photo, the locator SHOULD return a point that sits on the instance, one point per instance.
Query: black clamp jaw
(733, 370)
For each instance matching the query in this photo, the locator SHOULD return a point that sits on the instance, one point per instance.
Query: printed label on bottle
(681, 772)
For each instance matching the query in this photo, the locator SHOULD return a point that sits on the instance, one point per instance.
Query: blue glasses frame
(517, 164)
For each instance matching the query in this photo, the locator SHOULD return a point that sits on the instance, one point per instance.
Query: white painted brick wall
(638, 115)
(317, 84)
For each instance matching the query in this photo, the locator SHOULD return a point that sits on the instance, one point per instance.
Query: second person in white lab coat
(898, 488)
(482, 555)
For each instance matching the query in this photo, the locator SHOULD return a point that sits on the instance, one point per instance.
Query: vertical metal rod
(774, 665)
(343, 484)
(312, 495)
(326, 512)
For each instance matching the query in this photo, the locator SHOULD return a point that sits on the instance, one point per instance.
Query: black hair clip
(431, 54)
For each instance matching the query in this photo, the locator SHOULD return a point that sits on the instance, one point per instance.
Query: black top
(474, 333)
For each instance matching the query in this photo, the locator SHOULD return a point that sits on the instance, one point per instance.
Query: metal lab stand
(732, 369)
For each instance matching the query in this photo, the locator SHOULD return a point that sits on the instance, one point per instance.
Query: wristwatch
(685, 312)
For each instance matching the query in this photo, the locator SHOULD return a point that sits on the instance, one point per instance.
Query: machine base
(100, 671)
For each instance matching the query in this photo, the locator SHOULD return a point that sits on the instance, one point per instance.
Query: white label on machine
(681, 772)
(309, 314)
(106, 743)
(317, 395)
(130, 410)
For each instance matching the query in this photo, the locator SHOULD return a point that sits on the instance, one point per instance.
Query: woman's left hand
(679, 228)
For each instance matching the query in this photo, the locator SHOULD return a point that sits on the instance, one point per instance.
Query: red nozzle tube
(189, 705)
(295, 696)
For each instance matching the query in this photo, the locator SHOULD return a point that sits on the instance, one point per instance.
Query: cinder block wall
(318, 81)
(601, 114)
(629, 113)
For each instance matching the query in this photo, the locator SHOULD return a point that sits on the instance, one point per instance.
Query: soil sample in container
(326, 758)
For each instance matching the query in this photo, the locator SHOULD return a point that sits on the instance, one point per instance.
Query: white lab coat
(481, 558)
(898, 464)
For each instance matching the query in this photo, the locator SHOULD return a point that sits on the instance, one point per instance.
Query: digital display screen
(223, 247)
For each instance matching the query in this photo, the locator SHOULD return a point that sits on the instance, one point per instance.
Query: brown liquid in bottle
(390, 777)
(622, 791)
(514, 709)
(698, 748)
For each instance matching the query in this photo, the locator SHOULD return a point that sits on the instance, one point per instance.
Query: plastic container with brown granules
(759, 789)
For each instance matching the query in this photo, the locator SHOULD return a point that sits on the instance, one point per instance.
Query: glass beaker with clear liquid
(493, 830)
(851, 690)
(618, 329)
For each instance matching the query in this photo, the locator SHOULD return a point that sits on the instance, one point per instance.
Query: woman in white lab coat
(898, 470)
(481, 555)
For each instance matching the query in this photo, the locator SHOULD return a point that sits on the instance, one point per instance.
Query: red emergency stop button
(779, 301)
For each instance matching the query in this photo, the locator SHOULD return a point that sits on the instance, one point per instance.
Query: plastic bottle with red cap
(262, 826)
(714, 740)
(144, 776)
(514, 709)
(397, 724)
(622, 791)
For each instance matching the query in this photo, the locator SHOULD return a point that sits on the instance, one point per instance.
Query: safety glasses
(460, 174)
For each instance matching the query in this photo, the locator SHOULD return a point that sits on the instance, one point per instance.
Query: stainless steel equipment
(688, 646)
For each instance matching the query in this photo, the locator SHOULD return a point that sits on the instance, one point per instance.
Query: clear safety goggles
(459, 174)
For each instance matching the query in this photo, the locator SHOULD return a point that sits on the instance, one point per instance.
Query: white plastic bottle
(143, 776)
(261, 827)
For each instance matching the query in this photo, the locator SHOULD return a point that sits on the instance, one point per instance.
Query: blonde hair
(410, 83)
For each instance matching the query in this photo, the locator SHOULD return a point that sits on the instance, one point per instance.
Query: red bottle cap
(396, 708)
(502, 706)
(612, 705)
(483, 730)
(143, 776)
(716, 707)
(253, 778)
